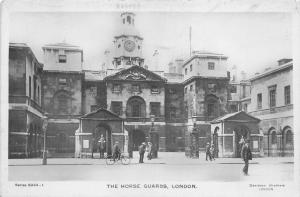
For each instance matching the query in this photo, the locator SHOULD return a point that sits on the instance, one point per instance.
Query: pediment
(240, 116)
(135, 73)
(101, 114)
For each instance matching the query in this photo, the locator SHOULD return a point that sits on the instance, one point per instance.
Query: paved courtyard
(168, 167)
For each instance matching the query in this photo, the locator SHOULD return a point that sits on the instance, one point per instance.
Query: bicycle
(110, 160)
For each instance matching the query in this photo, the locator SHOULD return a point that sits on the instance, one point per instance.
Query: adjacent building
(272, 102)
(25, 102)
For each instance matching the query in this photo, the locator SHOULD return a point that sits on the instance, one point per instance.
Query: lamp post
(195, 138)
(153, 137)
(45, 124)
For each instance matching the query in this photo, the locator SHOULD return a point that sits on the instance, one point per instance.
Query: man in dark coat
(207, 151)
(116, 151)
(142, 149)
(246, 156)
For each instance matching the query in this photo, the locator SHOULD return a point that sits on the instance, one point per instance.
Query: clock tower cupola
(128, 43)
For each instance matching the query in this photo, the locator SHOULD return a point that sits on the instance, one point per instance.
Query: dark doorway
(241, 131)
(138, 137)
(106, 132)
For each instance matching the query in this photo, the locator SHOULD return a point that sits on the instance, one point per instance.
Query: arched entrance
(272, 142)
(138, 137)
(288, 141)
(102, 129)
(239, 132)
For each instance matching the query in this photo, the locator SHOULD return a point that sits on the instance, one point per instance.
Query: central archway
(138, 137)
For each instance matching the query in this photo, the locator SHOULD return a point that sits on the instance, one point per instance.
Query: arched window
(273, 137)
(129, 19)
(136, 107)
(289, 137)
(62, 103)
(212, 106)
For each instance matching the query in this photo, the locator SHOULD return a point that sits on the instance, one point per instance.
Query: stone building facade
(272, 102)
(25, 109)
(126, 102)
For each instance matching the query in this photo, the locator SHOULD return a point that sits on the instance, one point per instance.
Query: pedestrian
(212, 151)
(102, 146)
(207, 151)
(116, 151)
(149, 150)
(246, 156)
(142, 149)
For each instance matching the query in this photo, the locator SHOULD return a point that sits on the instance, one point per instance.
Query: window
(123, 20)
(289, 137)
(273, 137)
(139, 47)
(136, 110)
(185, 71)
(211, 65)
(185, 90)
(244, 91)
(29, 87)
(155, 108)
(38, 92)
(116, 88)
(34, 87)
(233, 108)
(116, 107)
(191, 67)
(154, 90)
(62, 81)
(233, 89)
(172, 113)
(210, 109)
(94, 107)
(245, 107)
(287, 95)
(136, 88)
(62, 103)
(191, 88)
(129, 19)
(172, 91)
(119, 45)
(259, 101)
(272, 96)
(62, 58)
(212, 87)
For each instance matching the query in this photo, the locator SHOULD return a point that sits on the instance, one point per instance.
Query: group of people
(145, 148)
(210, 151)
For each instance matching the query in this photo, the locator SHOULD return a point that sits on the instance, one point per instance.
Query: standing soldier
(246, 156)
(101, 146)
(142, 149)
(207, 151)
(149, 149)
(212, 151)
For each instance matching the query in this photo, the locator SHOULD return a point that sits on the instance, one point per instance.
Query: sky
(252, 41)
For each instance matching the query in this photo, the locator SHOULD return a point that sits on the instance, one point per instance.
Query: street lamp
(195, 139)
(153, 137)
(45, 125)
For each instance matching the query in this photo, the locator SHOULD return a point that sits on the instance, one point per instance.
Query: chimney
(283, 61)
(178, 65)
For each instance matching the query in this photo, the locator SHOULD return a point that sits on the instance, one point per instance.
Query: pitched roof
(62, 45)
(239, 116)
(128, 73)
(101, 114)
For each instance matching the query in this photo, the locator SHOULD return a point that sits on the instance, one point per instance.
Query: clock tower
(127, 44)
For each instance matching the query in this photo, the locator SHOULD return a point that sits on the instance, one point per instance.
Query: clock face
(129, 45)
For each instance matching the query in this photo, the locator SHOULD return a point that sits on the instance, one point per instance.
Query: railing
(25, 100)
